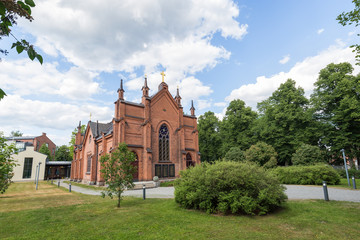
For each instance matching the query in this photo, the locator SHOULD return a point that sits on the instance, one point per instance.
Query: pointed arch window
(164, 151)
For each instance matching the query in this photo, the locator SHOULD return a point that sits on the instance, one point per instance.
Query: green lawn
(344, 183)
(53, 213)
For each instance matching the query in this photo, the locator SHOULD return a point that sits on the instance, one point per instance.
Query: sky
(215, 51)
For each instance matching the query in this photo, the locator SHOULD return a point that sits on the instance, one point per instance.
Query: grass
(92, 187)
(54, 213)
(344, 184)
(167, 184)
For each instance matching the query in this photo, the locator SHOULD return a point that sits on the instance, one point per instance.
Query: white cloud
(202, 104)
(220, 104)
(305, 73)
(285, 59)
(351, 33)
(320, 31)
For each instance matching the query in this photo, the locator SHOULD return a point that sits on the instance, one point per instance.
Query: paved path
(292, 191)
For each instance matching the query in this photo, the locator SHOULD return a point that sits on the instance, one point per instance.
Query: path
(292, 191)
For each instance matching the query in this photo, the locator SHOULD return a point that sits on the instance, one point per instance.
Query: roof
(21, 138)
(98, 128)
(58, 163)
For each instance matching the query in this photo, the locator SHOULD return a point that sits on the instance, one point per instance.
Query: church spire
(121, 91)
(145, 88)
(177, 97)
(192, 109)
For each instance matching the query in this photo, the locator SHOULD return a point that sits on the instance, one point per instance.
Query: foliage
(352, 172)
(229, 187)
(336, 100)
(45, 150)
(9, 11)
(16, 133)
(236, 126)
(286, 121)
(72, 140)
(349, 18)
(209, 137)
(262, 154)
(62, 153)
(117, 171)
(308, 155)
(7, 164)
(235, 154)
(307, 175)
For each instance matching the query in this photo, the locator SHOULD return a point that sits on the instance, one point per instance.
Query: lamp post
(38, 173)
(345, 165)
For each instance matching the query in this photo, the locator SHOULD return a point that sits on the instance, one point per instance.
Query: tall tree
(16, 133)
(62, 153)
(117, 170)
(235, 129)
(7, 163)
(285, 121)
(349, 18)
(209, 138)
(336, 99)
(45, 150)
(72, 140)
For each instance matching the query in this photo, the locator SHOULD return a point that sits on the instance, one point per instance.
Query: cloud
(320, 31)
(285, 59)
(305, 73)
(220, 104)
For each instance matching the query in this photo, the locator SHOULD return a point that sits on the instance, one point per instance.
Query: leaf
(39, 58)
(30, 3)
(2, 9)
(14, 45)
(31, 53)
(2, 94)
(19, 48)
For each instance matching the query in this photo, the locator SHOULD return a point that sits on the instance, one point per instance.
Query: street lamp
(37, 179)
(345, 165)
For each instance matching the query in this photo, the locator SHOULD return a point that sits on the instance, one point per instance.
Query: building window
(164, 155)
(88, 164)
(27, 167)
(90, 139)
(189, 161)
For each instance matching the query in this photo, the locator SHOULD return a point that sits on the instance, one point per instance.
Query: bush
(352, 172)
(263, 154)
(307, 155)
(229, 187)
(235, 154)
(307, 175)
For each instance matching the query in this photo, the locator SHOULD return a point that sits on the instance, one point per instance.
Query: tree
(117, 170)
(286, 121)
(348, 18)
(236, 126)
(209, 138)
(336, 99)
(10, 10)
(16, 133)
(62, 153)
(45, 150)
(235, 154)
(72, 140)
(308, 155)
(262, 154)
(7, 163)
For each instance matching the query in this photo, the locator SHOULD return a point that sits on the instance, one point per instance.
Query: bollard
(326, 195)
(59, 183)
(354, 182)
(52, 181)
(69, 187)
(144, 194)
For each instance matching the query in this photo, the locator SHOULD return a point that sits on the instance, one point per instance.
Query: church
(163, 138)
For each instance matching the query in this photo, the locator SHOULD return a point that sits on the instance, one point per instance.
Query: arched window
(189, 161)
(164, 155)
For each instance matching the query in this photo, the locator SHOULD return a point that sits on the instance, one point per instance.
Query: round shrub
(229, 187)
(307, 175)
(307, 155)
(235, 154)
(263, 154)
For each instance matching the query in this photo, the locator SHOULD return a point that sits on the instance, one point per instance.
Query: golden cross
(145, 76)
(163, 75)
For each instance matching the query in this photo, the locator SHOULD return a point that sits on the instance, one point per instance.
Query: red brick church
(163, 138)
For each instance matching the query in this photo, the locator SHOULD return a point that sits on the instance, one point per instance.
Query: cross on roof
(163, 75)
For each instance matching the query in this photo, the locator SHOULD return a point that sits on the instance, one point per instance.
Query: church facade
(163, 138)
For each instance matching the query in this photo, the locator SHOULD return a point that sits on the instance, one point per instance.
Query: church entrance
(165, 170)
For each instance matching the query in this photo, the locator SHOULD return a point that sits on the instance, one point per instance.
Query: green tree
(62, 153)
(16, 133)
(235, 129)
(286, 121)
(117, 170)
(7, 163)
(349, 18)
(209, 138)
(235, 154)
(45, 150)
(308, 155)
(10, 10)
(336, 99)
(72, 140)
(262, 154)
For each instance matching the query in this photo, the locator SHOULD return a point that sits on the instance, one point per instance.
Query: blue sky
(215, 51)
